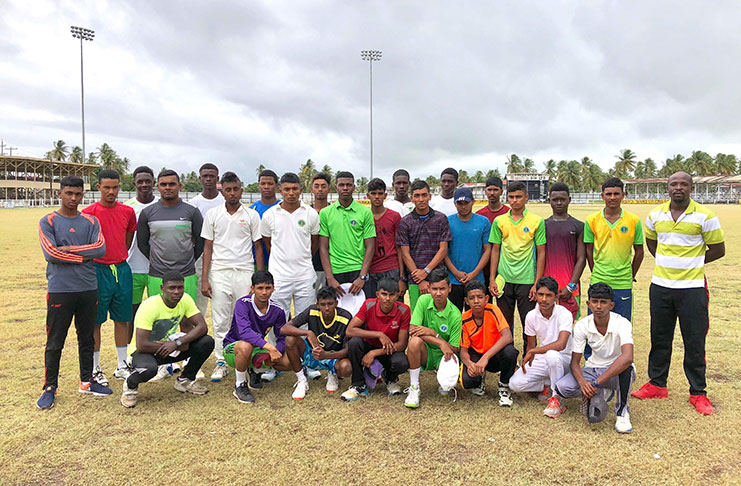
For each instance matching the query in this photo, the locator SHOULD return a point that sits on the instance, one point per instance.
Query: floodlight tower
(371, 56)
(84, 35)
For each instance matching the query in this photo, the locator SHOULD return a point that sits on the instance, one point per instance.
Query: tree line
(582, 175)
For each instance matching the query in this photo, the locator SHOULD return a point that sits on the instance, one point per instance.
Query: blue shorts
(318, 364)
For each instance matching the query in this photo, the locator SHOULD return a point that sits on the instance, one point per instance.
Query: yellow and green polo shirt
(518, 241)
(613, 247)
(681, 244)
(347, 228)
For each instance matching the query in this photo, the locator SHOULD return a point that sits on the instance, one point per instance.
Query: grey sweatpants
(567, 387)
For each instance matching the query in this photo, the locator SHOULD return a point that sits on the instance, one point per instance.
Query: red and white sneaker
(554, 408)
(545, 394)
(702, 404)
(650, 391)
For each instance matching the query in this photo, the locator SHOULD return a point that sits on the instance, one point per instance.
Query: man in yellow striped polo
(683, 236)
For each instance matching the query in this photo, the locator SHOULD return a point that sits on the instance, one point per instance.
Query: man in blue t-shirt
(469, 251)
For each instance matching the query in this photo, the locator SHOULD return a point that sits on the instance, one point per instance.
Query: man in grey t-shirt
(169, 235)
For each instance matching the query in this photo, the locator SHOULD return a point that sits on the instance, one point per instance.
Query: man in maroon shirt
(115, 283)
(386, 257)
(378, 334)
(495, 207)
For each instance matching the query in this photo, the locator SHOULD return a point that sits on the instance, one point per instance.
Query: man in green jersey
(347, 235)
(513, 236)
(434, 332)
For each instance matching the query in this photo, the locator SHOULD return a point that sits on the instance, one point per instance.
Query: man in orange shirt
(486, 344)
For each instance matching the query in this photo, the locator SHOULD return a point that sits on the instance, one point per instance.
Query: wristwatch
(427, 270)
(595, 384)
(178, 343)
(403, 279)
(572, 287)
(364, 277)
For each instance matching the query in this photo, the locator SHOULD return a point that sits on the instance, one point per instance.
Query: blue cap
(462, 194)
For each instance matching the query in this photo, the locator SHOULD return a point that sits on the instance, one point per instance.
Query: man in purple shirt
(422, 237)
(245, 346)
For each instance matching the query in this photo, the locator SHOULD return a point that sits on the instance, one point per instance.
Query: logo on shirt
(623, 229)
(72, 230)
(394, 324)
(301, 223)
(444, 328)
(526, 229)
(353, 222)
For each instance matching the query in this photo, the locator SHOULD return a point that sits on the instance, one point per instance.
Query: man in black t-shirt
(322, 327)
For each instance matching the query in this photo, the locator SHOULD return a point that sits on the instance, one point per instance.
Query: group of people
(276, 271)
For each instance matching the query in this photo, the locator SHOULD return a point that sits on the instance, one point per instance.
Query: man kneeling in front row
(610, 367)
(156, 340)
(245, 345)
(325, 325)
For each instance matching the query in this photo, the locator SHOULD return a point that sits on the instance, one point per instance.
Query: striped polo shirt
(681, 244)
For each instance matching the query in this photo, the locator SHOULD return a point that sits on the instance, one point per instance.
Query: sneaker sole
(88, 392)
(45, 408)
(216, 380)
(127, 406)
(331, 391)
(553, 415)
(239, 399)
(254, 388)
(410, 405)
(624, 431)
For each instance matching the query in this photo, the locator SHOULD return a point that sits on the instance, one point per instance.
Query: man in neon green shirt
(347, 236)
(611, 236)
(513, 236)
(434, 332)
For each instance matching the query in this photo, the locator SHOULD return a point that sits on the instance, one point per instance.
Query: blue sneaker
(270, 375)
(94, 388)
(46, 401)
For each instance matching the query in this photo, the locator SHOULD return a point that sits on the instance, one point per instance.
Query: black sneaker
(255, 383)
(243, 394)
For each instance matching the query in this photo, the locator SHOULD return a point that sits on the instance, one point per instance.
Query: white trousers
(201, 300)
(546, 369)
(226, 287)
(302, 293)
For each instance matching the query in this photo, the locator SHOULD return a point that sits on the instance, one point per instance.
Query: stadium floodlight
(371, 56)
(84, 35)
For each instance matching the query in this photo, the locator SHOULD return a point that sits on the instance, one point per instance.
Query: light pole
(88, 35)
(371, 56)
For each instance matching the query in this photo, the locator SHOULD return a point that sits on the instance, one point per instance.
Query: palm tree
(432, 181)
(259, 169)
(328, 170)
(306, 171)
(493, 173)
(640, 172)
(572, 175)
(726, 164)
(701, 163)
(109, 159)
(650, 167)
(92, 158)
(593, 178)
(672, 165)
(478, 177)
(76, 155)
(362, 184)
(528, 165)
(59, 152)
(463, 176)
(625, 164)
(514, 164)
(551, 169)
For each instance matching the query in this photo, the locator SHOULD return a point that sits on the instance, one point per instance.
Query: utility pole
(10, 150)
(2, 147)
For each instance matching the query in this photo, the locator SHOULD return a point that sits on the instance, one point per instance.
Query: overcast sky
(460, 83)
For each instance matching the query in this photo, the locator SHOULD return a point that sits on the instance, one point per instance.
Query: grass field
(170, 438)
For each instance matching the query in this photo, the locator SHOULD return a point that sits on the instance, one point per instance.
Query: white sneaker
(412, 400)
(300, 389)
(393, 388)
(200, 375)
(269, 375)
(122, 373)
(480, 390)
(220, 371)
(623, 425)
(164, 371)
(442, 392)
(312, 374)
(505, 397)
(129, 397)
(99, 377)
(333, 384)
